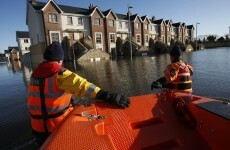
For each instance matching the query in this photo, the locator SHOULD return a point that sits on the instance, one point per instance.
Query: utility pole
(196, 33)
(130, 35)
(229, 36)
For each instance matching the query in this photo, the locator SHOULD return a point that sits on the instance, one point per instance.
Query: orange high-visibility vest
(48, 113)
(183, 81)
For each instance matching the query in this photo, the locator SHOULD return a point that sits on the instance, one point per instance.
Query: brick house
(190, 32)
(161, 29)
(168, 31)
(178, 31)
(49, 22)
(145, 27)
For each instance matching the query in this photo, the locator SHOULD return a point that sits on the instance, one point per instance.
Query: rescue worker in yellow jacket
(50, 91)
(177, 75)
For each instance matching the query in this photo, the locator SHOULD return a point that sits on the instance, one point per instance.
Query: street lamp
(196, 34)
(130, 35)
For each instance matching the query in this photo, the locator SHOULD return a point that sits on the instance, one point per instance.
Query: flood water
(123, 75)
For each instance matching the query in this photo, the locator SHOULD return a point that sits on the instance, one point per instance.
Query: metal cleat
(92, 117)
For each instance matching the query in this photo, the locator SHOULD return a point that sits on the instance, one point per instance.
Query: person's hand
(155, 85)
(118, 99)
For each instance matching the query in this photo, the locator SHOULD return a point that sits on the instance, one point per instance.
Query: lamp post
(228, 36)
(130, 35)
(196, 34)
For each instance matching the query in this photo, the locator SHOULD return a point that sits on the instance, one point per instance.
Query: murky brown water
(129, 77)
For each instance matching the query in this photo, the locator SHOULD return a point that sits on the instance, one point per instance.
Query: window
(126, 25)
(163, 39)
(137, 25)
(98, 38)
(54, 37)
(120, 25)
(96, 21)
(53, 18)
(146, 39)
(26, 41)
(168, 39)
(138, 38)
(112, 38)
(69, 20)
(145, 26)
(162, 28)
(26, 48)
(150, 27)
(168, 28)
(111, 22)
(80, 21)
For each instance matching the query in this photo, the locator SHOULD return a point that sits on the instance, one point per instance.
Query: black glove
(158, 83)
(118, 99)
(155, 85)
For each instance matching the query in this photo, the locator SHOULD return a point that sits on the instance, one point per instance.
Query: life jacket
(47, 104)
(183, 81)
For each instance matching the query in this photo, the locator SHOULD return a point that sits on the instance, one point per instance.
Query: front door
(81, 36)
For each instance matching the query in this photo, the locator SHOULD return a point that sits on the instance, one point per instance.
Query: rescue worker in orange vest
(50, 91)
(177, 75)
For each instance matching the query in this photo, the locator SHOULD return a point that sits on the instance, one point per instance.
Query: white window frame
(112, 40)
(53, 17)
(137, 25)
(111, 22)
(80, 22)
(96, 33)
(71, 20)
(145, 26)
(59, 35)
(119, 25)
(97, 23)
(26, 41)
(139, 38)
(146, 38)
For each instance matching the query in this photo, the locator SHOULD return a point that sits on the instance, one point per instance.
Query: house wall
(35, 26)
(97, 29)
(110, 30)
(145, 33)
(136, 31)
(51, 27)
(168, 31)
(75, 26)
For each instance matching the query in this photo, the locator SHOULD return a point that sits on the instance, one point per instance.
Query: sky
(213, 15)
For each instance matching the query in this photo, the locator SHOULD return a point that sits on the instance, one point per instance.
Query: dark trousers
(40, 137)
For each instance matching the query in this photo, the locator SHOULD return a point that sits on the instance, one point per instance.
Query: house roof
(158, 21)
(133, 17)
(121, 16)
(106, 13)
(176, 24)
(22, 34)
(190, 27)
(64, 8)
(13, 47)
(6, 51)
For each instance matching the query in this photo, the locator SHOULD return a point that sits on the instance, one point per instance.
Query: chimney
(153, 18)
(33, 1)
(91, 6)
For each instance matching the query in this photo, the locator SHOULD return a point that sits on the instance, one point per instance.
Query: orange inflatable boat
(152, 122)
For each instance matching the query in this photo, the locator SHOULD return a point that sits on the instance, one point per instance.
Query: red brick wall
(109, 29)
(144, 31)
(136, 31)
(97, 28)
(49, 26)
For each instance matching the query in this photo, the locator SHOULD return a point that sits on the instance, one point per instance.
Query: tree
(221, 39)
(160, 47)
(211, 38)
(119, 45)
(151, 43)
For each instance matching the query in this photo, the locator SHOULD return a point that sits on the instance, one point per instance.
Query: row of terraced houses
(48, 22)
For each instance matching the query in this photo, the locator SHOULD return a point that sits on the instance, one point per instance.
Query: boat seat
(219, 108)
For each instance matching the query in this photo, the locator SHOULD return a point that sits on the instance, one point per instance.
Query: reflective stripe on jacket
(57, 104)
(178, 77)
